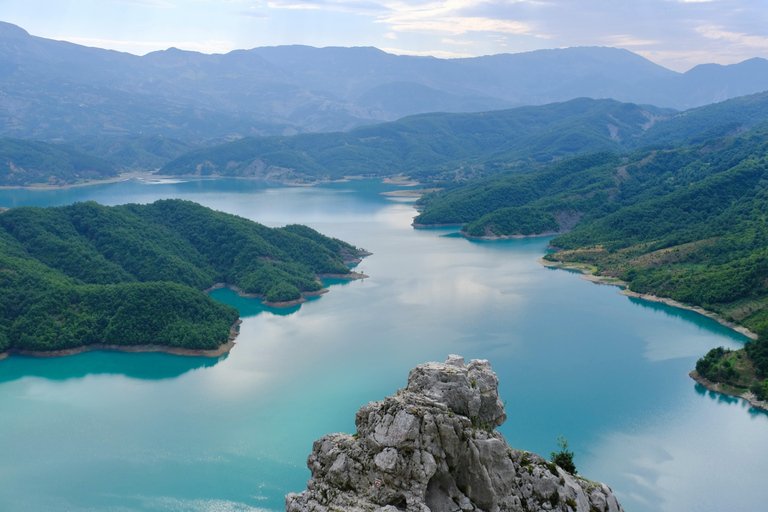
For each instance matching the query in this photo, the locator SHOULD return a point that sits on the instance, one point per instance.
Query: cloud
(715, 32)
(447, 40)
(440, 54)
(390, 35)
(251, 13)
(141, 47)
(443, 17)
(162, 4)
(628, 40)
(448, 17)
(363, 7)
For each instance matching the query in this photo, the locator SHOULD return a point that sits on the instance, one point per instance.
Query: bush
(564, 458)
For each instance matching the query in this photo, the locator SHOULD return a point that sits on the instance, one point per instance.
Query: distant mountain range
(55, 90)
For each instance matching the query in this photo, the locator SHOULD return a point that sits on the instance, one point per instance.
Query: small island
(134, 277)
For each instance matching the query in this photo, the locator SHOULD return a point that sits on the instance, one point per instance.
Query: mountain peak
(11, 31)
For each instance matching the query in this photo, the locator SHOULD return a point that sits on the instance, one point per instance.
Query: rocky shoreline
(191, 352)
(719, 388)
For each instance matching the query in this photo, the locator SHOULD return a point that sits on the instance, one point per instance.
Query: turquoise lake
(116, 432)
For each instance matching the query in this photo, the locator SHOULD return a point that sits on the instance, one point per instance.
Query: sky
(677, 34)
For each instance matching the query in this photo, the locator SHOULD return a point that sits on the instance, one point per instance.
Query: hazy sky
(675, 33)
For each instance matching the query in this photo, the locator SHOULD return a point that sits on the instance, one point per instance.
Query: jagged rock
(432, 448)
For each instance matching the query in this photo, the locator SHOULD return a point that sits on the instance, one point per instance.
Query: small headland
(287, 303)
(725, 389)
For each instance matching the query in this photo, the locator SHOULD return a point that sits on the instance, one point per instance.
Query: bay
(106, 431)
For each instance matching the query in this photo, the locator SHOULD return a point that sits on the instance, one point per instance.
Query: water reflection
(152, 366)
(709, 324)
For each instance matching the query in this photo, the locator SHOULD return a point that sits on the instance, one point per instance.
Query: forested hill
(134, 274)
(24, 163)
(430, 146)
(456, 147)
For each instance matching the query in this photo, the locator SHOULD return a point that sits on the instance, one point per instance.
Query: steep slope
(432, 446)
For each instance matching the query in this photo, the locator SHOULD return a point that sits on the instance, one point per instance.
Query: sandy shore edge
(589, 276)
(718, 388)
(191, 352)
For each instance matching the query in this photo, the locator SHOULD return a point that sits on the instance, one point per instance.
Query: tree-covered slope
(24, 163)
(460, 147)
(134, 274)
(430, 146)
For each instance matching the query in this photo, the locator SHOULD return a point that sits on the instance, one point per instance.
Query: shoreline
(716, 387)
(43, 186)
(178, 351)
(287, 303)
(509, 237)
(587, 275)
(408, 193)
(429, 226)
(126, 176)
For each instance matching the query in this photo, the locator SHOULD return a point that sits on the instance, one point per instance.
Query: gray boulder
(432, 448)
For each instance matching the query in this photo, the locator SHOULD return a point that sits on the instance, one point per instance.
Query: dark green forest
(135, 274)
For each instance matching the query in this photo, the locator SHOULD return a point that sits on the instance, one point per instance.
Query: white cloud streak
(208, 46)
(440, 54)
(715, 32)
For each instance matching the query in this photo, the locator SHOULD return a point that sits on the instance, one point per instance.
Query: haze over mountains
(54, 90)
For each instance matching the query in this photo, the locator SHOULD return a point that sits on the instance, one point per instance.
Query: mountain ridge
(58, 91)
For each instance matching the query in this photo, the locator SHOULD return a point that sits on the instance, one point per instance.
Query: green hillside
(24, 163)
(134, 274)
(430, 146)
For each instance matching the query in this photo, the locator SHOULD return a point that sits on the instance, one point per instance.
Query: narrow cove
(113, 431)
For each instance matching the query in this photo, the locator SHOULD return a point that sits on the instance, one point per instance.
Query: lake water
(117, 432)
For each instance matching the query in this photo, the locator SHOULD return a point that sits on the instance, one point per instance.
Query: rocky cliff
(432, 447)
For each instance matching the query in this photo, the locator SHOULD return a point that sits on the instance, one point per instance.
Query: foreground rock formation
(432, 447)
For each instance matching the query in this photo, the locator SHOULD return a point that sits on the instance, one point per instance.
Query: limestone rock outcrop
(432, 448)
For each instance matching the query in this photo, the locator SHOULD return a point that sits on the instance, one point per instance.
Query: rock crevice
(431, 448)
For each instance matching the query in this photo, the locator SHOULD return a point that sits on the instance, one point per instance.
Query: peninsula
(133, 277)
